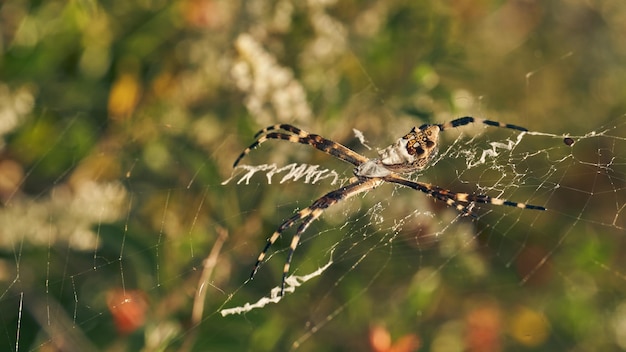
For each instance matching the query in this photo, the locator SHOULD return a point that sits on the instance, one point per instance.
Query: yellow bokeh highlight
(124, 96)
(529, 327)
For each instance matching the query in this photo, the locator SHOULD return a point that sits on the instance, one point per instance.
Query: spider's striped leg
(318, 207)
(433, 192)
(451, 201)
(456, 205)
(270, 241)
(444, 194)
(294, 243)
(299, 136)
(481, 198)
(282, 126)
(462, 121)
(308, 215)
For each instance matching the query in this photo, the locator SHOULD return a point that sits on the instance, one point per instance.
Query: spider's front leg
(454, 198)
(466, 120)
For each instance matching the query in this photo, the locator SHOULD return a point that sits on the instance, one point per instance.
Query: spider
(410, 153)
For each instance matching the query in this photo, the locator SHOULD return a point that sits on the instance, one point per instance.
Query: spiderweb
(124, 226)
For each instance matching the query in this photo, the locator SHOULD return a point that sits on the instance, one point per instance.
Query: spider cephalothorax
(412, 152)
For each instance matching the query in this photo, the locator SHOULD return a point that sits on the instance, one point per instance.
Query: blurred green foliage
(121, 120)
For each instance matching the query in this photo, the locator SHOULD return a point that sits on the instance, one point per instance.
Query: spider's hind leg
(263, 136)
(270, 241)
(282, 126)
(302, 137)
(308, 215)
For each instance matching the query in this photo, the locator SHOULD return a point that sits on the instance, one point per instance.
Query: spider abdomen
(413, 152)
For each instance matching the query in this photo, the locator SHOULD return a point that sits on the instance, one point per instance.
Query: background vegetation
(120, 121)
